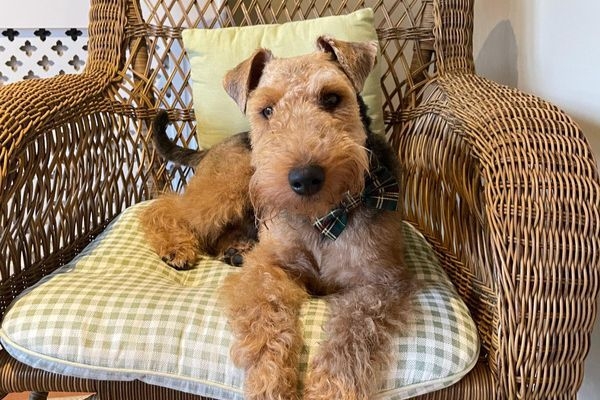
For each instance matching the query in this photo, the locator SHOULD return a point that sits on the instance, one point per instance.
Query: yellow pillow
(212, 52)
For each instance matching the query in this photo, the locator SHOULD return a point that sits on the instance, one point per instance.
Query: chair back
(155, 71)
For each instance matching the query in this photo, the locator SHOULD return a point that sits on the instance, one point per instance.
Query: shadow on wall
(590, 388)
(591, 130)
(497, 59)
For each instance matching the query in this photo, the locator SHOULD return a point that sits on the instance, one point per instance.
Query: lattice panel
(405, 28)
(156, 72)
(198, 14)
(41, 53)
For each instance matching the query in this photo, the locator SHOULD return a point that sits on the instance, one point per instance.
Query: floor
(55, 396)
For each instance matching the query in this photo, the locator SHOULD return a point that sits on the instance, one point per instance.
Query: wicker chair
(502, 184)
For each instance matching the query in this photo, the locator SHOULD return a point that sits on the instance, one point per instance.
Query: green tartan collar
(381, 192)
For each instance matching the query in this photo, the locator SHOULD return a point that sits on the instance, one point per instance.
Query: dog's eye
(267, 112)
(329, 101)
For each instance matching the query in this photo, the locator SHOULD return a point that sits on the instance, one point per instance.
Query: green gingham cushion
(118, 312)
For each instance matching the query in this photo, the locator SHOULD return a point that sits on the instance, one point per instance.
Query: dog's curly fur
(303, 111)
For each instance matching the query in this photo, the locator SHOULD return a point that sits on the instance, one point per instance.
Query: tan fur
(361, 273)
(207, 218)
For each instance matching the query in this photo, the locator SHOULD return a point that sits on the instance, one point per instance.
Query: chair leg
(3, 395)
(38, 395)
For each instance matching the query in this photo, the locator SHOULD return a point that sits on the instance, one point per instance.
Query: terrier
(324, 191)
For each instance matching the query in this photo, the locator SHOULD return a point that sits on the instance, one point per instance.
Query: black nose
(306, 181)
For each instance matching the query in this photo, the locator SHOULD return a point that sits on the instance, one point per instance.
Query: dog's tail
(167, 148)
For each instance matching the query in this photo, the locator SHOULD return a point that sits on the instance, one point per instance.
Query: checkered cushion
(118, 312)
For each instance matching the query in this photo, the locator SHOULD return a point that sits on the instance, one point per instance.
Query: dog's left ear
(356, 58)
(244, 78)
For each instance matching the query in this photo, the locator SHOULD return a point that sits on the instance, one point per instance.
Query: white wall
(28, 55)
(550, 48)
(44, 13)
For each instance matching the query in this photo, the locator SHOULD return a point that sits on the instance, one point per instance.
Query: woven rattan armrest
(505, 186)
(65, 171)
(68, 160)
(31, 105)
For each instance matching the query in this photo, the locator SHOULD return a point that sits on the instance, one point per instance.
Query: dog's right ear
(357, 59)
(244, 78)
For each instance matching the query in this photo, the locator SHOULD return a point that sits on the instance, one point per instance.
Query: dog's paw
(234, 255)
(268, 383)
(323, 384)
(180, 258)
(178, 264)
(327, 389)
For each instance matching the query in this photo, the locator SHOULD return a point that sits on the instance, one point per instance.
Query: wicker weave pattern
(521, 173)
(501, 183)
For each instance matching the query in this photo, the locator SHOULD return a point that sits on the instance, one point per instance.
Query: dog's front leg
(167, 230)
(357, 348)
(262, 304)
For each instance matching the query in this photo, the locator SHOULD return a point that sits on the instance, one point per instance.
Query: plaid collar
(381, 192)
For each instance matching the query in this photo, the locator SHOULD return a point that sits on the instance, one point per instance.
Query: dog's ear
(244, 78)
(357, 59)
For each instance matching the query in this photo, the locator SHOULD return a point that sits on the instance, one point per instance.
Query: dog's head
(308, 137)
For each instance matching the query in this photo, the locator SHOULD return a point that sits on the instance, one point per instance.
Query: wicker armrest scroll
(505, 186)
(69, 161)
(67, 166)
(28, 106)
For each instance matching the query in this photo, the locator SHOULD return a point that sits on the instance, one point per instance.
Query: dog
(323, 191)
